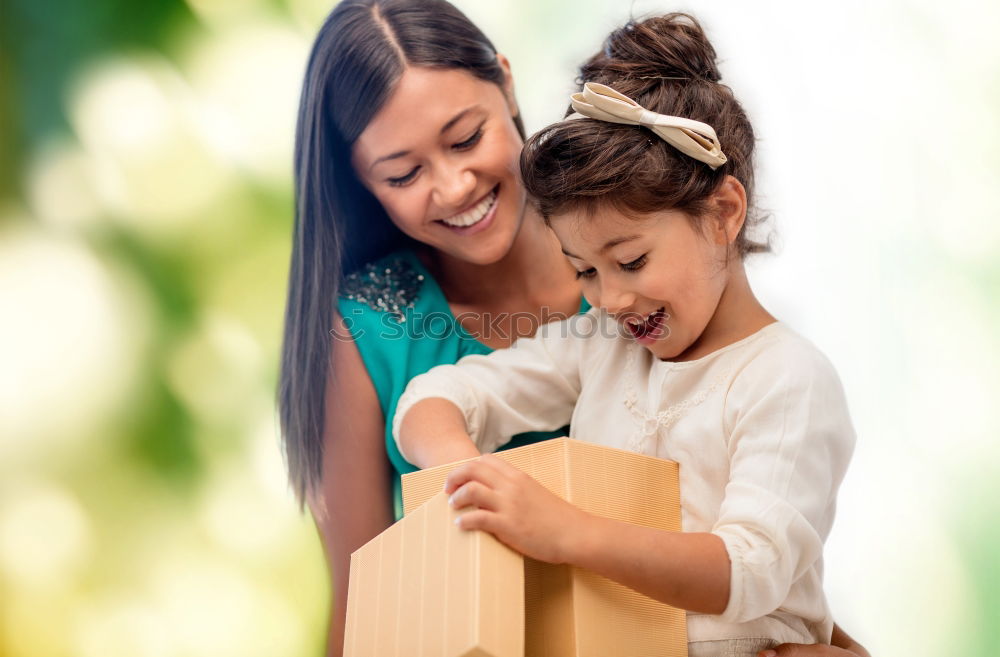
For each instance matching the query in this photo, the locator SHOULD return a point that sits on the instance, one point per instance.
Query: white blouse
(760, 428)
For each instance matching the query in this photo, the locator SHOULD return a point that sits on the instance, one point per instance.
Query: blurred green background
(145, 221)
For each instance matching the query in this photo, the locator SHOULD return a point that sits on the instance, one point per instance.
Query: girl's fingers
(474, 493)
(800, 650)
(498, 464)
(479, 519)
(485, 472)
(507, 471)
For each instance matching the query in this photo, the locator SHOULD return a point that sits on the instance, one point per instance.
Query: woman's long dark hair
(359, 55)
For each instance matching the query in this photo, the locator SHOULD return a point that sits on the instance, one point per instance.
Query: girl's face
(658, 275)
(441, 158)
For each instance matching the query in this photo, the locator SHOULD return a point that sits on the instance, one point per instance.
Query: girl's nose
(615, 299)
(453, 189)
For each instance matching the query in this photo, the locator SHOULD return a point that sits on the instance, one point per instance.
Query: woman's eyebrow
(455, 119)
(445, 128)
(391, 156)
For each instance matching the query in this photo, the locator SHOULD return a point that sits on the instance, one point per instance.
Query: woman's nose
(453, 189)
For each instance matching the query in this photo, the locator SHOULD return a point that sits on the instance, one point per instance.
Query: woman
(405, 162)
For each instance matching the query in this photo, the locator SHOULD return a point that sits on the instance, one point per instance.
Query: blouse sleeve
(532, 386)
(790, 440)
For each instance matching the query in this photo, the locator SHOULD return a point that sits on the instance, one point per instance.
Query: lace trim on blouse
(645, 439)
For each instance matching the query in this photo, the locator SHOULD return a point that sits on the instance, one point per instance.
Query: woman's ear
(508, 85)
(730, 201)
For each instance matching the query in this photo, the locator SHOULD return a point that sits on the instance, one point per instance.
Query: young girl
(647, 188)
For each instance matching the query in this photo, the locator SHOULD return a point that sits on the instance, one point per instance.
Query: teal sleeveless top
(402, 325)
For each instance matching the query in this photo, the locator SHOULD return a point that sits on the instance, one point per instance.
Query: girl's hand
(515, 508)
(843, 646)
(800, 650)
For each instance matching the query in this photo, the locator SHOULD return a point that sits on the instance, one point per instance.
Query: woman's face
(441, 157)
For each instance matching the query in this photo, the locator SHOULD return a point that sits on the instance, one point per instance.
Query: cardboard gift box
(425, 587)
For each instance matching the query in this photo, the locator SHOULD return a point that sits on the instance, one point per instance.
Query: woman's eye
(586, 273)
(635, 265)
(403, 180)
(471, 141)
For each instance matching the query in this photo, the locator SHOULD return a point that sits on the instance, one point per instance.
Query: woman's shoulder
(391, 285)
(398, 317)
(384, 305)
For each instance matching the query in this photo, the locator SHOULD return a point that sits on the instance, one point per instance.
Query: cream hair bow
(693, 138)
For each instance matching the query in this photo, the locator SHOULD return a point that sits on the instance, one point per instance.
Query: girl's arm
(355, 502)
(433, 432)
(685, 570)
(457, 411)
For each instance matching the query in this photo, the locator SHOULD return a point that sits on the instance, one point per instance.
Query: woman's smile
(476, 218)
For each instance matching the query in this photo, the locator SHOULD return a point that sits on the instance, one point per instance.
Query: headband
(690, 137)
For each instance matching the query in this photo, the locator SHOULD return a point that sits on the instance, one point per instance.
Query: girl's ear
(730, 201)
(508, 85)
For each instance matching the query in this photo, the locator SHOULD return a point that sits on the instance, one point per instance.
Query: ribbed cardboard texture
(572, 612)
(425, 588)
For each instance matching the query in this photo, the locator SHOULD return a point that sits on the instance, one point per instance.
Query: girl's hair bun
(667, 65)
(672, 45)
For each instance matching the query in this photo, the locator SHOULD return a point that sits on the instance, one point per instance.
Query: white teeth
(639, 322)
(473, 216)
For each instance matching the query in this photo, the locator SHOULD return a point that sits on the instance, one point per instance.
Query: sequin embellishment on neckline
(390, 285)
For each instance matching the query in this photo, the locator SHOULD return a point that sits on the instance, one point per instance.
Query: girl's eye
(471, 141)
(635, 265)
(586, 273)
(403, 180)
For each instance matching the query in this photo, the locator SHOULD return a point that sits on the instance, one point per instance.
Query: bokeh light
(248, 80)
(45, 535)
(62, 187)
(70, 324)
(139, 117)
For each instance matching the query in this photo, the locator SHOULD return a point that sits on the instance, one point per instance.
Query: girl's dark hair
(667, 65)
(358, 57)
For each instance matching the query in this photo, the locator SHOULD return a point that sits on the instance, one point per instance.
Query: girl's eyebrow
(618, 240)
(611, 244)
